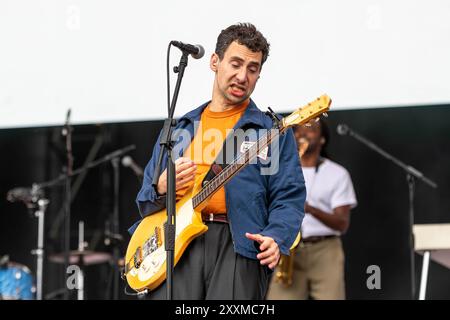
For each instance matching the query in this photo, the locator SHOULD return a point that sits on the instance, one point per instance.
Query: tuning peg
(317, 119)
(307, 124)
(325, 114)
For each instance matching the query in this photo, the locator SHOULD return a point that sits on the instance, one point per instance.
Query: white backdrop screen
(106, 59)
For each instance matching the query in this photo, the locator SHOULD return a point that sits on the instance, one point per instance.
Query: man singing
(255, 217)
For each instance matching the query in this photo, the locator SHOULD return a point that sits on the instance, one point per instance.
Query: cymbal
(89, 257)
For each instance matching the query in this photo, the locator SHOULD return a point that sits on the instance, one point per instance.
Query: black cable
(134, 294)
(139, 294)
(168, 77)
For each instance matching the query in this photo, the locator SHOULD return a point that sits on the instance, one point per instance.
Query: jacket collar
(252, 115)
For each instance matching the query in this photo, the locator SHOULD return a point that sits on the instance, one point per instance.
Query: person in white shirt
(319, 259)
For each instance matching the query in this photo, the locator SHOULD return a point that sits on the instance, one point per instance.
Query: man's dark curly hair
(245, 34)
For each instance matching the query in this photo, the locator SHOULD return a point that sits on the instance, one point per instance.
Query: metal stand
(67, 132)
(424, 276)
(34, 200)
(81, 245)
(166, 148)
(411, 193)
(113, 237)
(411, 174)
(115, 228)
(37, 189)
(39, 251)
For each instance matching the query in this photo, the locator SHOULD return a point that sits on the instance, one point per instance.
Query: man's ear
(214, 62)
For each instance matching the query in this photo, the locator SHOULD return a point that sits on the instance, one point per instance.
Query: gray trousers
(210, 269)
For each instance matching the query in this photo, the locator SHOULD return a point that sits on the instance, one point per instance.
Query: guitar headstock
(311, 111)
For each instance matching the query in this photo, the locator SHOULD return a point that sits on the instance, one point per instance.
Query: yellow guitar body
(146, 256)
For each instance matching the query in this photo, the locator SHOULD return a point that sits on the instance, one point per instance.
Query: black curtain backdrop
(378, 234)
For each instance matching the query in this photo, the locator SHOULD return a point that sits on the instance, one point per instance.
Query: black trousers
(210, 269)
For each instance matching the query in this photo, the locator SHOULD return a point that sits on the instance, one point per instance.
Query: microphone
(26, 195)
(4, 260)
(128, 162)
(196, 51)
(342, 129)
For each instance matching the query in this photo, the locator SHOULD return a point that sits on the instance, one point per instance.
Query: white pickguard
(153, 262)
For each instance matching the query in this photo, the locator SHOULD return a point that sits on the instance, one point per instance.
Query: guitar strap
(220, 162)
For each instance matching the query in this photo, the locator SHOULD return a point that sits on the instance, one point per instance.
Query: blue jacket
(271, 205)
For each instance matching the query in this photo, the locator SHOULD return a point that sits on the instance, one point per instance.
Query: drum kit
(16, 280)
(18, 283)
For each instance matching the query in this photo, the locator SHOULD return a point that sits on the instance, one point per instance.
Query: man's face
(236, 73)
(311, 133)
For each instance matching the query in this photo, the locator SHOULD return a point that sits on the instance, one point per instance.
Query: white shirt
(328, 188)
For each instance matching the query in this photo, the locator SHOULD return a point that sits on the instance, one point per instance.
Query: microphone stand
(166, 146)
(90, 165)
(67, 131)
(115, 228)
(39, 251)
(411, 174)
(36, 203)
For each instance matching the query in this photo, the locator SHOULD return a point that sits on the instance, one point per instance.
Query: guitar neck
(313, 110)
(235, 166)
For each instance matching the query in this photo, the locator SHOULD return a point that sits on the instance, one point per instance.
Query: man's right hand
(185, 170)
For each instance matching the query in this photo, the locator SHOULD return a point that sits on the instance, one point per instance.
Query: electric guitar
(145, 259)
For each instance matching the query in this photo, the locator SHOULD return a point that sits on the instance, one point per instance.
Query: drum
(16, 282)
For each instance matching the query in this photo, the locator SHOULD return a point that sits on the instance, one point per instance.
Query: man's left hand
(270, 252)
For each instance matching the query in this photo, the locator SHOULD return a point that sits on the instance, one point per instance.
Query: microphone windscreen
(201, 52)
(342, 129)
(127, 161)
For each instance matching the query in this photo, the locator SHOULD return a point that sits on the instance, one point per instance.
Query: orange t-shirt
(207, 144)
